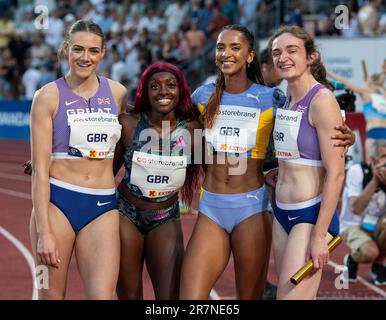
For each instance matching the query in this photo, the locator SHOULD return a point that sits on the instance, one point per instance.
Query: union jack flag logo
(302, 109)
(103, 100)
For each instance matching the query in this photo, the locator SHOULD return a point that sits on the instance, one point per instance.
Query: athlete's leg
(97, 252)
(65, 237)
(206, 257)
(293, 259)
(279, 241)
(164, 249)
(250, 247)
(131, 263)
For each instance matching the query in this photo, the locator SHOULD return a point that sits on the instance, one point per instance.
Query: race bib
(234, 129)
(157, 176)
(285, 133)
(93, 135)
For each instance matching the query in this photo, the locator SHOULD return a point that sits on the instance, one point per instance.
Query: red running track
(15, 250)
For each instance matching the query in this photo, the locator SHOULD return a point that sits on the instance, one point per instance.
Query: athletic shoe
(378, 274)
(269, 291)
(352, 267)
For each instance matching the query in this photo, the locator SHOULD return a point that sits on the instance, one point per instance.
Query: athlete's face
(84, 51)
(163, 92)
(289, 56)
(233, 52)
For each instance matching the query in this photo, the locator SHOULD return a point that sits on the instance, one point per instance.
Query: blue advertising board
(14, 119)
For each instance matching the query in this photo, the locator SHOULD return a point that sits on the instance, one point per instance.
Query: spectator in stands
(54, 34)
(7, 28)
(248, 13)
(195, 37)
(205, 15)
(352, 29)
(368, 17)
(229, 9)
(296, 17)
(30, 80)
(118, 68)
(174, 14)
(150, 21)
(216, 23)
(39, 52)
(363, 219)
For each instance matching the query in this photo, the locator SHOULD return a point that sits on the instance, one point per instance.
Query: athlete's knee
(101, 294)
(125, 292)
(369, 252)
(51, 294)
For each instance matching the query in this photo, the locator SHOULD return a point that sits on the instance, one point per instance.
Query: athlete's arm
(349, 85)
(324, 116)
(43, 109)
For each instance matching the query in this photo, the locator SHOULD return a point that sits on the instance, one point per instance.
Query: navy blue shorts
(81, 205)
(291, 214)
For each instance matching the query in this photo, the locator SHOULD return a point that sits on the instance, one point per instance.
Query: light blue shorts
(228, 210)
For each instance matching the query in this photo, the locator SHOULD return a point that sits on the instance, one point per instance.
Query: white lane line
(214, 295)
(16, 177)
(366, 283)
(27, 255)
(15, 193)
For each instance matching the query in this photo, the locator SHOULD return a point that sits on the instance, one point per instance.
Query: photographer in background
(363, 219)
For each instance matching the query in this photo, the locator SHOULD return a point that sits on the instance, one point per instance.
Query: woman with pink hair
(156, 150)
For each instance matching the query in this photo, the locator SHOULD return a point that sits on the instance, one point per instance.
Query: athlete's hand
(271, 177)
(344, 139)
(47, 250)
(318, 251)
(28, 167)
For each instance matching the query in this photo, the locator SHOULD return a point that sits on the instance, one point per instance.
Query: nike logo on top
(70, 103)
(99, 204)
(293, 218)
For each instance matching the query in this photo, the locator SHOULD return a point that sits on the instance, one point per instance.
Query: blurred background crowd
(141, 32)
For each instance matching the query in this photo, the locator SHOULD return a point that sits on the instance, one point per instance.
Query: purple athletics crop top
(308, 143)
(71, 103)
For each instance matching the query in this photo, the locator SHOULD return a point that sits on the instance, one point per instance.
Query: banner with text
(14, 119)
